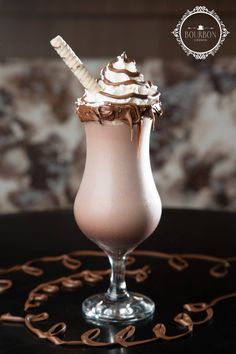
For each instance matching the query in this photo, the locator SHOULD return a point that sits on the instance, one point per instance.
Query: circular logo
(200, 32)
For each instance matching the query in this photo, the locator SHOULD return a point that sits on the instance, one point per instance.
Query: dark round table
(34, 234)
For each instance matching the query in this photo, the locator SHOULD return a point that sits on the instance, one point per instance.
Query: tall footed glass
(117, 207)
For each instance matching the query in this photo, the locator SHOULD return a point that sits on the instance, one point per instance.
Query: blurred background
(42, 144)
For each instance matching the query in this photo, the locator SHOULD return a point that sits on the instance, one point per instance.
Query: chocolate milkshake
(117, 205)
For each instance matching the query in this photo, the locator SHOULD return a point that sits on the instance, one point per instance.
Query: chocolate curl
(50, 288)
(91, 277)
(140, 274)
(13, 269)
(89, 336)
(5, 284)
(51, 334)
(130, 260)
(57, 329)
(178, 263)
(222, 298)
(36, 272)
(220, 270)
(159, 330)
(69, 283)
(35, 300)
(70, 263)
(8, 317)
(36, 318)
(124, 334)
(200, 307)
(183, 319)
(196, 307)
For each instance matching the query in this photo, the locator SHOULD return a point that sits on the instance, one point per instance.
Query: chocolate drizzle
(192, 315)
(111, 67)
(5, 284)
(126, 58)
(140, 92)
(129, 113)
(121, 106)
(128, 95)
(130, 74)
(126, 82)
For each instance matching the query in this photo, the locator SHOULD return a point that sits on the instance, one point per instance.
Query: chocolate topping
(128, 95)
(116, 100)
(127, 112)
(126, 82)
(126, 58)
(114, 75)
(122, 71)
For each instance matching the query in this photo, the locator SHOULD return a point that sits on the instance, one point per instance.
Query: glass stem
(117, 289)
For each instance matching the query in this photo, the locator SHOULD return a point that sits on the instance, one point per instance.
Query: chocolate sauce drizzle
(132, 74)
(124, 337)
(128, 95)
(128, 113)
(111, 67)
(126, 82)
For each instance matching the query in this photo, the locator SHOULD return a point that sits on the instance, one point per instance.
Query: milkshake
(117, 205)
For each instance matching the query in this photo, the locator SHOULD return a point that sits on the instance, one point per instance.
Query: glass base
(134, 308)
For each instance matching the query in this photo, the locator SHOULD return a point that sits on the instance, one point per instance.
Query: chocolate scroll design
(185, 321)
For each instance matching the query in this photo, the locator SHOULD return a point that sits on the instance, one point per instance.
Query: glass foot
(135, 307)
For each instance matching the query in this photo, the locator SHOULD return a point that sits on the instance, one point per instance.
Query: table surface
(29, 235)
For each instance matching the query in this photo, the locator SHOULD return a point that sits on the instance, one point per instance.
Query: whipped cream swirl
(121, 83)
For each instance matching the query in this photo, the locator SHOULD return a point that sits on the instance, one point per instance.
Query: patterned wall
(42, 145)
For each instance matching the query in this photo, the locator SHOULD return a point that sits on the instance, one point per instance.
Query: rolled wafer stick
(74, 63)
